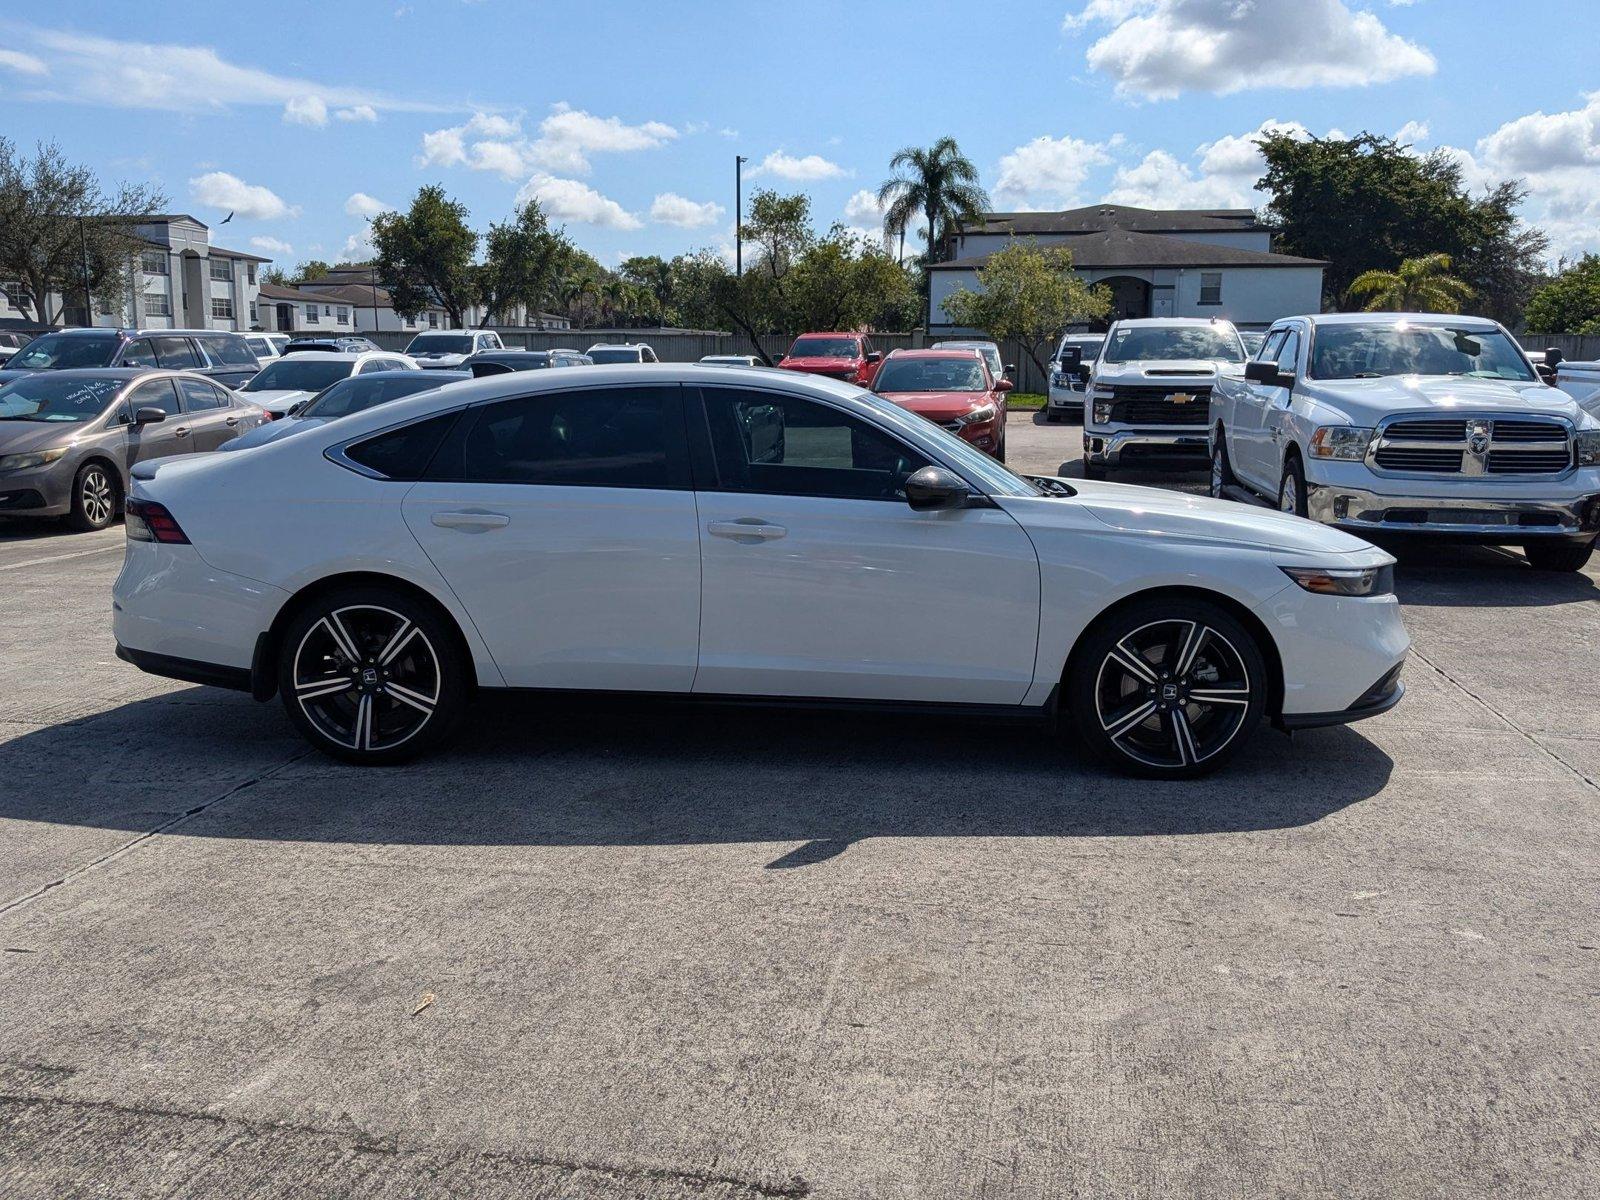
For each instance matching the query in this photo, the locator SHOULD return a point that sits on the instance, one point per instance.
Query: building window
(221, 309)
(222, 268)
(1211, 287)
(153, 262)
(253, 318)
(433, 320)
(343, 315)
(311, 314)
(250, 272)
(157, 305)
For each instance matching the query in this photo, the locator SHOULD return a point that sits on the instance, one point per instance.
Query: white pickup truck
(1411, 423)
(1149, 391)
(1581, 381)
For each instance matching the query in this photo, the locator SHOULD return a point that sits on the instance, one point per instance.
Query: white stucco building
(1156, 263)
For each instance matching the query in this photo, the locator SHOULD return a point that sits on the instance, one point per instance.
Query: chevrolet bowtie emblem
(1180, 398)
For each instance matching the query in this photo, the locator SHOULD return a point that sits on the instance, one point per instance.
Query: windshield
(440, 343)
(47, 398)
(931, 375)
(59, 351)
(824, 347)
(1373, 351)
(1154, 343)
(363, 392)
(613, 354)
(293, 374)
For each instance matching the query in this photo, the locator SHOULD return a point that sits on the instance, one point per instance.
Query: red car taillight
(147, 521)
(268, 415)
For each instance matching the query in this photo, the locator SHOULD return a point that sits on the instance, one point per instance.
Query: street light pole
(738, 215)
(88, 299)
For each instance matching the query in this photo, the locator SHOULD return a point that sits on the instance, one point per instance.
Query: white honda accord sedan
(722, 533)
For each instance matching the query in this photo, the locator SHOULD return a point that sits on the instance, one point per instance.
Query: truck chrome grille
(1473, 445)
(1155, 406)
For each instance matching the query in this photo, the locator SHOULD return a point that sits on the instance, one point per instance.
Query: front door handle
(472, 522)
(746, 527)
(181, 431)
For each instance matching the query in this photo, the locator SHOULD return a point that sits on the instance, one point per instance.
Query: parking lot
(633, 950)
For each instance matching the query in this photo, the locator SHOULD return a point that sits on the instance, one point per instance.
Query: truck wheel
(1292, 491)
(1545, 556)
(1221, 469)
(1093, 470)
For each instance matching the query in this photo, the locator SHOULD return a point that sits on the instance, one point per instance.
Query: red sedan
(953, 388)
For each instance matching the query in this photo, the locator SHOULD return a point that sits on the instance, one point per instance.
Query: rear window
(404, 453)
(59, 351)
(228, 351)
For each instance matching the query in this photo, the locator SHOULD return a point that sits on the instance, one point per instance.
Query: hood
(276, 401)
(1154, 374)
(24, 437)
(1145, 510)
(937, 406)
(821, 366)
(272, 431)
(438, 358)
(1367, 401)
(8, 375)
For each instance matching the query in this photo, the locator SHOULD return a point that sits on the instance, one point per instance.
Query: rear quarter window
(403, 453)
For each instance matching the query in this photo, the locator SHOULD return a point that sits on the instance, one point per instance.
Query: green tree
(55, 217)
(842, 281)
(654, 274)
(1421, 284)
(780, 228)
(1029, 295)
(939, 183)
(523, 260)
(425, 255)
(1569, 303)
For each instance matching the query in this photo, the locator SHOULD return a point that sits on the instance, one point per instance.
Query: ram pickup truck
(1149, 392)
(1411, 423)
(1581, 381)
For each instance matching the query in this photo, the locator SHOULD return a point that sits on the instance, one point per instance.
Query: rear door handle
(472, 522)
(231, 421)
(746, 527)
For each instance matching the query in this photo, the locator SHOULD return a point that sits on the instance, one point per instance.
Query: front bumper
(1122, 447)
(1496, 519)
(1065, 398)
(1378, 699)
(39, 491)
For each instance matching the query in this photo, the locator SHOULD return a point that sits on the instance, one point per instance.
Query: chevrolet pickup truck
(1411, 423)
(1149, 393)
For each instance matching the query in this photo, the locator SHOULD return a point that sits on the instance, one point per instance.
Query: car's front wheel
(1167, 688)
(1543, 556)
(94, 498)
(371, 676)
(1292, 490)
(1222, 477)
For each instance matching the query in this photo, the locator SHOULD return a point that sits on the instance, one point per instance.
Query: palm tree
(939, 183)
(1421, 284)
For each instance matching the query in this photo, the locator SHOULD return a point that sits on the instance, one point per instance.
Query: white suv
(621, 352)
(448, 350)
(1411, 423)
(1149, 390)
(1069, 374)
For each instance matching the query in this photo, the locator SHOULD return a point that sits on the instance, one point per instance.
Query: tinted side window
(198, 396)
(229, 351)
(403, 453)
(158, 393)
(176, 353)
(139, 353)
(782, 445)
(592, 437)
(1290, 352)
(1273, 344)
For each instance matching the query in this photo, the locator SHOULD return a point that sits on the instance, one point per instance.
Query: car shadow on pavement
(627, 772)
(1442, 574)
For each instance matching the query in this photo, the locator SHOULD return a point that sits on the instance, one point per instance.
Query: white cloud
(669, 208)
(306, 110)
(566, 138)
(25, 64)
(1220, 174)
(1412, 131)
(727, 132)
(360, 204)
(863, 209)
(1047, 172)
(357, 112)
(787, 166)
(1158, 49)
(172, 77)
(229, 193)
(573, 200)
(358, 247)
(271, 245)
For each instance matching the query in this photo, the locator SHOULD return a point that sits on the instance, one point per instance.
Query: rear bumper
(187, 669)
(1120, 447)
(1492, 519)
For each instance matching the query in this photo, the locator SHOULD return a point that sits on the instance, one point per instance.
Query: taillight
(268, 415)
(147, 521)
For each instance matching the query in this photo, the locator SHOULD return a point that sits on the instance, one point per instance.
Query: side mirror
(875, 356)
(1003, 385)
(933, 488)
(148, 416)
(1553, 356)
(295, 408)
(1011, 368)
(1267, 373)
(1072, 356)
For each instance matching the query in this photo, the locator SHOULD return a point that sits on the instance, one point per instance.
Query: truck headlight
(1102, 412)
(22, 462)
(1343, 581)
(1340, 441)
(1587, 446)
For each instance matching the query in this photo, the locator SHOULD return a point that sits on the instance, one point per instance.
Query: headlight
(1102, 412)
(1340, 441)
(1343, 581)
(21, 462)
(1588, 447)
(979, 415)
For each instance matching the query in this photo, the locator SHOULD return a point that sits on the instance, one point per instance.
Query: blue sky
(624, 118)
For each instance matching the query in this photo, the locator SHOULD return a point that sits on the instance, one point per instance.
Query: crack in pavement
(170, 823)
(1531, 738)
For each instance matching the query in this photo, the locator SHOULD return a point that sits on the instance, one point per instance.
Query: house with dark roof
(1155, 262)
(356, 285)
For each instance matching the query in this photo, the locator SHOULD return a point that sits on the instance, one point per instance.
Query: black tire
(375, 641)
(1294, 477)
(96, 497)
(1000, 450)
(1557, 556)
(1051, 416)
(1094, 470)
(1197, 713)
(1222, 477)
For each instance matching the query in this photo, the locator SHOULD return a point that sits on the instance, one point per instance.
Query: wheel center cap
(369, 677)
(1169, 691)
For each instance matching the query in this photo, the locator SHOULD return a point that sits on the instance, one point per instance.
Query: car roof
(106, 372)
(616, 346)
(1395, 318)
(962, 344)
(964, 354)
(1172, 322)
(335, 355)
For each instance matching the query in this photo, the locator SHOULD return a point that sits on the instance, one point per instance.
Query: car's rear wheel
(372, 676)
(94, 498)
(1167, 688)
(1543, 556)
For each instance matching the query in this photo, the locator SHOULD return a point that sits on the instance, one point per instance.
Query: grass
(1026, 401)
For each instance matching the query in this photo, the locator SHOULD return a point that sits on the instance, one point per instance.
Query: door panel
(1250, 441)
(208, 414)
(164, 437)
